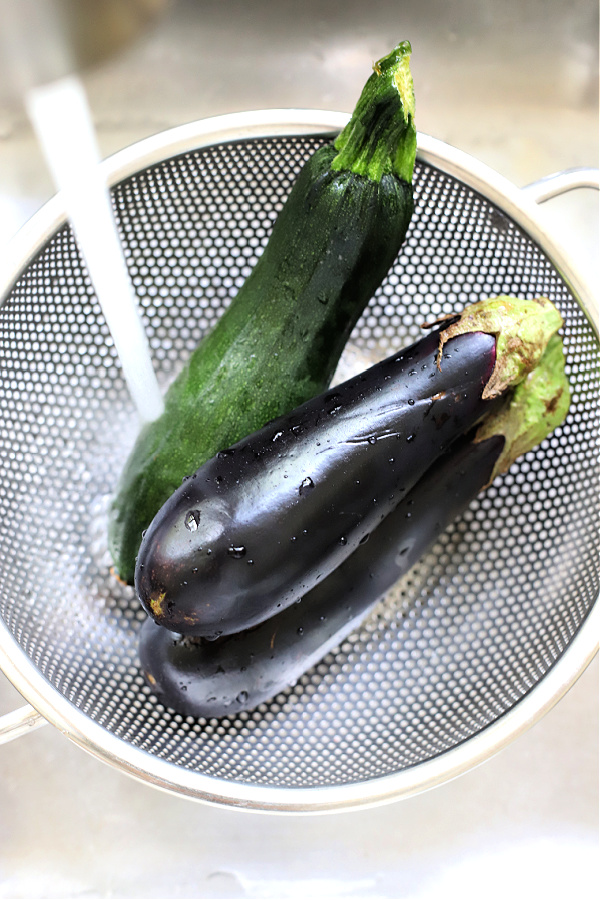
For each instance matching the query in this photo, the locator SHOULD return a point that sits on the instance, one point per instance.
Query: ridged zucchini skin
(279, 341)
(259, 524)
(238, 672)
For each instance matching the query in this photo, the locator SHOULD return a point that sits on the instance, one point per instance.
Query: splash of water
(61, 118)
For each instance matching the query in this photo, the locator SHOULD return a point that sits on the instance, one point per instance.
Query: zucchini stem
(380, 138)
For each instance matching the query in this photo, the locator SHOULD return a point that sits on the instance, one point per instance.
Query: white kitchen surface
(516, 85)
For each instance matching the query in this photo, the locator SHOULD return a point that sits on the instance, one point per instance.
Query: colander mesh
(472, 628)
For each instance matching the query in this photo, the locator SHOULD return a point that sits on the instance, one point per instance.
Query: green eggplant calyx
(522, 329)
(380, 138)
(537, 406)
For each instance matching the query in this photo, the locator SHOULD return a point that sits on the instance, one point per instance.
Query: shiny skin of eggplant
(259, 524)
(238, 672)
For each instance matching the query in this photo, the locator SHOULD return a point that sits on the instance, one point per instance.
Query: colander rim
(265, 123)
(142, 765)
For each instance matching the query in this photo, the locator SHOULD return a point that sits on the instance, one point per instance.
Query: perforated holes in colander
(454, 646)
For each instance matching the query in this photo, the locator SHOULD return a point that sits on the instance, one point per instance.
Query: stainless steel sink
(515, 84)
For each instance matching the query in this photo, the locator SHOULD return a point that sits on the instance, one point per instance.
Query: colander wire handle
(561, 182)
(19, 722)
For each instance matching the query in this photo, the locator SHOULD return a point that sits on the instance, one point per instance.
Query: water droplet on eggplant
(307, 485)
(236, 552)
(192, 520)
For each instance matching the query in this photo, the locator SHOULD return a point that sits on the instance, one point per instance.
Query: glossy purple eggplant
(237, 672)
(259, 524)
(208, 679)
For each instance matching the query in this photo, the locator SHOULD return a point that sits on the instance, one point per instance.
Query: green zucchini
(280, 340)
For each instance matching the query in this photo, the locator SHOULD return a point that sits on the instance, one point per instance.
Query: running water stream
(62, 121)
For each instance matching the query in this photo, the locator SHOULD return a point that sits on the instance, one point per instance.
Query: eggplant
(237, 672)
(199, 677)
(259, 524)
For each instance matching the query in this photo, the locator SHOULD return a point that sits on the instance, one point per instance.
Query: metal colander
(471, 647)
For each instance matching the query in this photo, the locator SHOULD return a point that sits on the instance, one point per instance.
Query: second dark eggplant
(238, 672)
